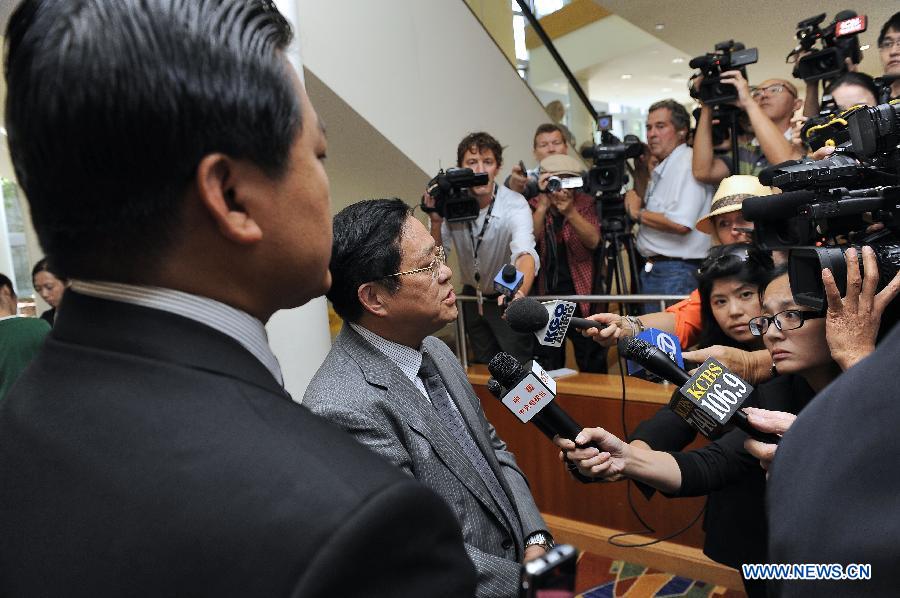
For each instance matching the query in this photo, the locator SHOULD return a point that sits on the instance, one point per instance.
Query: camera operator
(503, 233)
(769, 108)
(567, 233)
(889, 50)
(675, 201)
(549, 140)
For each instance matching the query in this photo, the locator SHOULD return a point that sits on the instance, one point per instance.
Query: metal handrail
(462, 350)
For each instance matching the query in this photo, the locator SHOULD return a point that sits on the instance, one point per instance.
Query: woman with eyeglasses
(735, 522)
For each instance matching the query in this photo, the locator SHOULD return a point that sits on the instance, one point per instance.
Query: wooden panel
(600, 504)
(569, 18)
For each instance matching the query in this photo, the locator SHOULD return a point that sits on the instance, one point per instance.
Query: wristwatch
(541, 539)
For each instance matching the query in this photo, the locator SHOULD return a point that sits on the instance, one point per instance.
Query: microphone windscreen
(526, 315)
(506, 369)
(494, 387)
(509, 273)
(635, 349)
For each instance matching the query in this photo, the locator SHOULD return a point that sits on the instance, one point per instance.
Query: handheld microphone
(528, 315)
(709, 401)
(508, 281)
(530, 397)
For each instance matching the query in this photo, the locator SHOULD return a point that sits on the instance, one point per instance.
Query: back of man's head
(8, 299)
(111, 105)
(366, 247)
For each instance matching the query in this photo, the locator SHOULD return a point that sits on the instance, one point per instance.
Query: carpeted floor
(602, 577)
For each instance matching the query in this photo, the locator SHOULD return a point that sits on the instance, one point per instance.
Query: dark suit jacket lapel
(160, 335)
(382, 372)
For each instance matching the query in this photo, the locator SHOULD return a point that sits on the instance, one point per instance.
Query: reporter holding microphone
(796, 339)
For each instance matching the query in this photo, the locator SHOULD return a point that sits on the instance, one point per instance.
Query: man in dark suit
(173, 165)
(404, 394)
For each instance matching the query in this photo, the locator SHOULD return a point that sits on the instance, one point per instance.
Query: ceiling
(629, 43)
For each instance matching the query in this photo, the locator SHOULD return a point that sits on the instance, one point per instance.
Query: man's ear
(372, 298)
(219, 181)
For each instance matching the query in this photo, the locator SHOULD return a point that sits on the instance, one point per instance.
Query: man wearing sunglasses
(769, 107)
(403, 393)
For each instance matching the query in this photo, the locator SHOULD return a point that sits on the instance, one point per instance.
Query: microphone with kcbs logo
(710, 400)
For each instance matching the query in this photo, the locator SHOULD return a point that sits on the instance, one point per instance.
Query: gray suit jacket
(364, 392)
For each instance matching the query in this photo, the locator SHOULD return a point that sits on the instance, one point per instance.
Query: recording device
(531, 184)
(508, 281)
(829, 204)
(530, 397)
(839, 41)
(710, 400)
(828, 128)
(450, 190)
(548, 321)
(727, 56)
(551, 575)
(556, 183)
(608, 175)
(665, 342)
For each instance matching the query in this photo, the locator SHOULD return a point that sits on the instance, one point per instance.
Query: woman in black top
(724, 469)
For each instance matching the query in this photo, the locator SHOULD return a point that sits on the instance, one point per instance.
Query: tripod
(615, 238)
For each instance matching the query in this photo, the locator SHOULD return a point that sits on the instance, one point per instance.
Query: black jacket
(145, 454)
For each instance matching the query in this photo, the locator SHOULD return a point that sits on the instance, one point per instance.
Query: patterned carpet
(601, 577)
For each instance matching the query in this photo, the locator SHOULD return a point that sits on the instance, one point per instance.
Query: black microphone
(783, 205)
(529, 395)
(527, 315)
(709, 400)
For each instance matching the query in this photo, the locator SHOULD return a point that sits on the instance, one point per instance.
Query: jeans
(675, 277)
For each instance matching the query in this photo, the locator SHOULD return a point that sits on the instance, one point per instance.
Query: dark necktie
(453, 423)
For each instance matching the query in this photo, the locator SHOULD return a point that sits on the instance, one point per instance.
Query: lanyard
(484, 225)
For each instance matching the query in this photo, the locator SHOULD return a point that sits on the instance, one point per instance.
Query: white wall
(423, 74)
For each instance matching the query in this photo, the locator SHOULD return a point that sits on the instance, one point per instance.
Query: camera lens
(554, 184)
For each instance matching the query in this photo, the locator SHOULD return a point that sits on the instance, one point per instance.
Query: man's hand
(796, 125)
(851, 323)
(633, 203)
(429, 201)
(517, 178)
(534, 551)
(773, 422)
(501, 299)
(743, 88)
(564, 201)
(754, 367)
(607, 463)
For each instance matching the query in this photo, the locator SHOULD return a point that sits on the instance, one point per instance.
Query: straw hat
(562, 164)
(730, 197)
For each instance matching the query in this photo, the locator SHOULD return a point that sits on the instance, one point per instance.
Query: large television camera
(728, 56)
(450, 191)
(608, 173)
(839, 41)
(830, 205)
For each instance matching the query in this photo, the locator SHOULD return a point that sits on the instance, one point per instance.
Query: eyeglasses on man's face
(440, 258)
(758, 92)
(789, 319)
(889, 44)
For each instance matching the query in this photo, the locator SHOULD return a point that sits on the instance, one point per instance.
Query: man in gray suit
(403, 393)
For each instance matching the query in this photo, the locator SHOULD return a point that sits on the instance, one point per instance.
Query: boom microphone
(709, 400)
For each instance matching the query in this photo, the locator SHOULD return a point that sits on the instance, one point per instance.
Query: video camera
(839, 42)
(828, 128)
(608, 172)
(450, 191)
(829, 205)
(728, 56)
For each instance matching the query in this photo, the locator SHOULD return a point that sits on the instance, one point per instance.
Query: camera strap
(476, 245)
